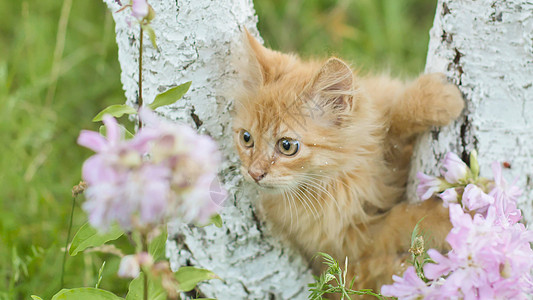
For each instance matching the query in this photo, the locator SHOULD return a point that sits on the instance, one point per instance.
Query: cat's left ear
(333, 88)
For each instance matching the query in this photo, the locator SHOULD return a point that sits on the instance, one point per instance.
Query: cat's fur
(343, 192)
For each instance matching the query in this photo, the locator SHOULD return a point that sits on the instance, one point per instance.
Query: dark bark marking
(258, 223)
(446, 37)
(456, 64)
(195, 118)
(496, 17)
(445, 9)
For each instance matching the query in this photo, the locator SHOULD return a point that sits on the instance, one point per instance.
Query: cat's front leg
(428, 101)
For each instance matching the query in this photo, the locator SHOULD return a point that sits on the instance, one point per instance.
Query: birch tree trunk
(196, 40)
(486, 47)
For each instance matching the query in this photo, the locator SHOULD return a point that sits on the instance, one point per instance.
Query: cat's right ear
(250, 69)
(257, 66)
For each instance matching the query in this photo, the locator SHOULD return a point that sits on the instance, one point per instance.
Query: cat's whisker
(313, 185)
(316, 188)
(286, 198)
(316, 214)
(334, 181)
(299, 195)
(314, 192)
(294, 202)
(330, 178)
(315, 196)
(318, 184)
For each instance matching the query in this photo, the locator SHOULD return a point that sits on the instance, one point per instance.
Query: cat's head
(296, 121)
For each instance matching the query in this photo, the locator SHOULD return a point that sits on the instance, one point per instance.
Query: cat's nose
(257, 174)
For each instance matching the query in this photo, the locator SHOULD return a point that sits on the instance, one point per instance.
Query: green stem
(141, 73)
(145, 277)
(66, 242)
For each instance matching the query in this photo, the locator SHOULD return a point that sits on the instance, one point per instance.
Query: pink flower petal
(95, 170)
(454, 169)
(112, 129)
(442, 265)
(92, 140)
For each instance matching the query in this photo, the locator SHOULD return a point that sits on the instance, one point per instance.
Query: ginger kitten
(330, 153)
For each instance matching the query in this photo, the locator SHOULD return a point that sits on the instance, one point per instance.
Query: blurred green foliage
(54, 77)
(375, 35)
(58, 68)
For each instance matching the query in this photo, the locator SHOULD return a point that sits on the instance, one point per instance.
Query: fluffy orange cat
(330, 152)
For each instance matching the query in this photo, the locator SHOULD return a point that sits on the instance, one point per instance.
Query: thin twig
(144, 242)
(140, 102)
(66, 242)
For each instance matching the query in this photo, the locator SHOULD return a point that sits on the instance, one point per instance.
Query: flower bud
(474, 165)
(454, 169)
(145, 259)
(417, 248)
(129, 267)
(449, 196)
(140, 9)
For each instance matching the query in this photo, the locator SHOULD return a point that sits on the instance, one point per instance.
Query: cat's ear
(333, 88)
(259, 62)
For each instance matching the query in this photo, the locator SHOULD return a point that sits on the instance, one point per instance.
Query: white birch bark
(486, 47)
(196, 40)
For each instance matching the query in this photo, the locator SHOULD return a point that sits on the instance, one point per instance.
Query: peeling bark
(196, 40)
(486, 47)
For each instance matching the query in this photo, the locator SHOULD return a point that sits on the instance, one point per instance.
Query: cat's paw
(441, 101)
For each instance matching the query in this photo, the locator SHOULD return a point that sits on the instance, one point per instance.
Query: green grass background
(58, 68)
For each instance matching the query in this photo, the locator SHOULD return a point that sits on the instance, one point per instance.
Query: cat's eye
(288, 147)
(246, 139)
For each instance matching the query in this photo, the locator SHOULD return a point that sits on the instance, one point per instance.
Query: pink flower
(193, 160)
(449, 196)
(407, 287)
(491, 255)
(474, 199)
(428, 185)
(505, 197)
(454, 169)
(139, 8)
(164, 172)
(486, 260)
(129, 267)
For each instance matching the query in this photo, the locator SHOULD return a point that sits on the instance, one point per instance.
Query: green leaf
(151, 34)
(217, 220)
(474, 164)
(155, 290)
(36, 297)
(117, 110)
(170, 96)
(100, 275)
(188, 277)
(416, 231)
(85, 294)
(156, 248)
(87, 236)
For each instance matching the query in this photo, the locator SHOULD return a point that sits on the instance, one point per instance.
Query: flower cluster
(491, 256)
(166, 170)
(140, 10)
